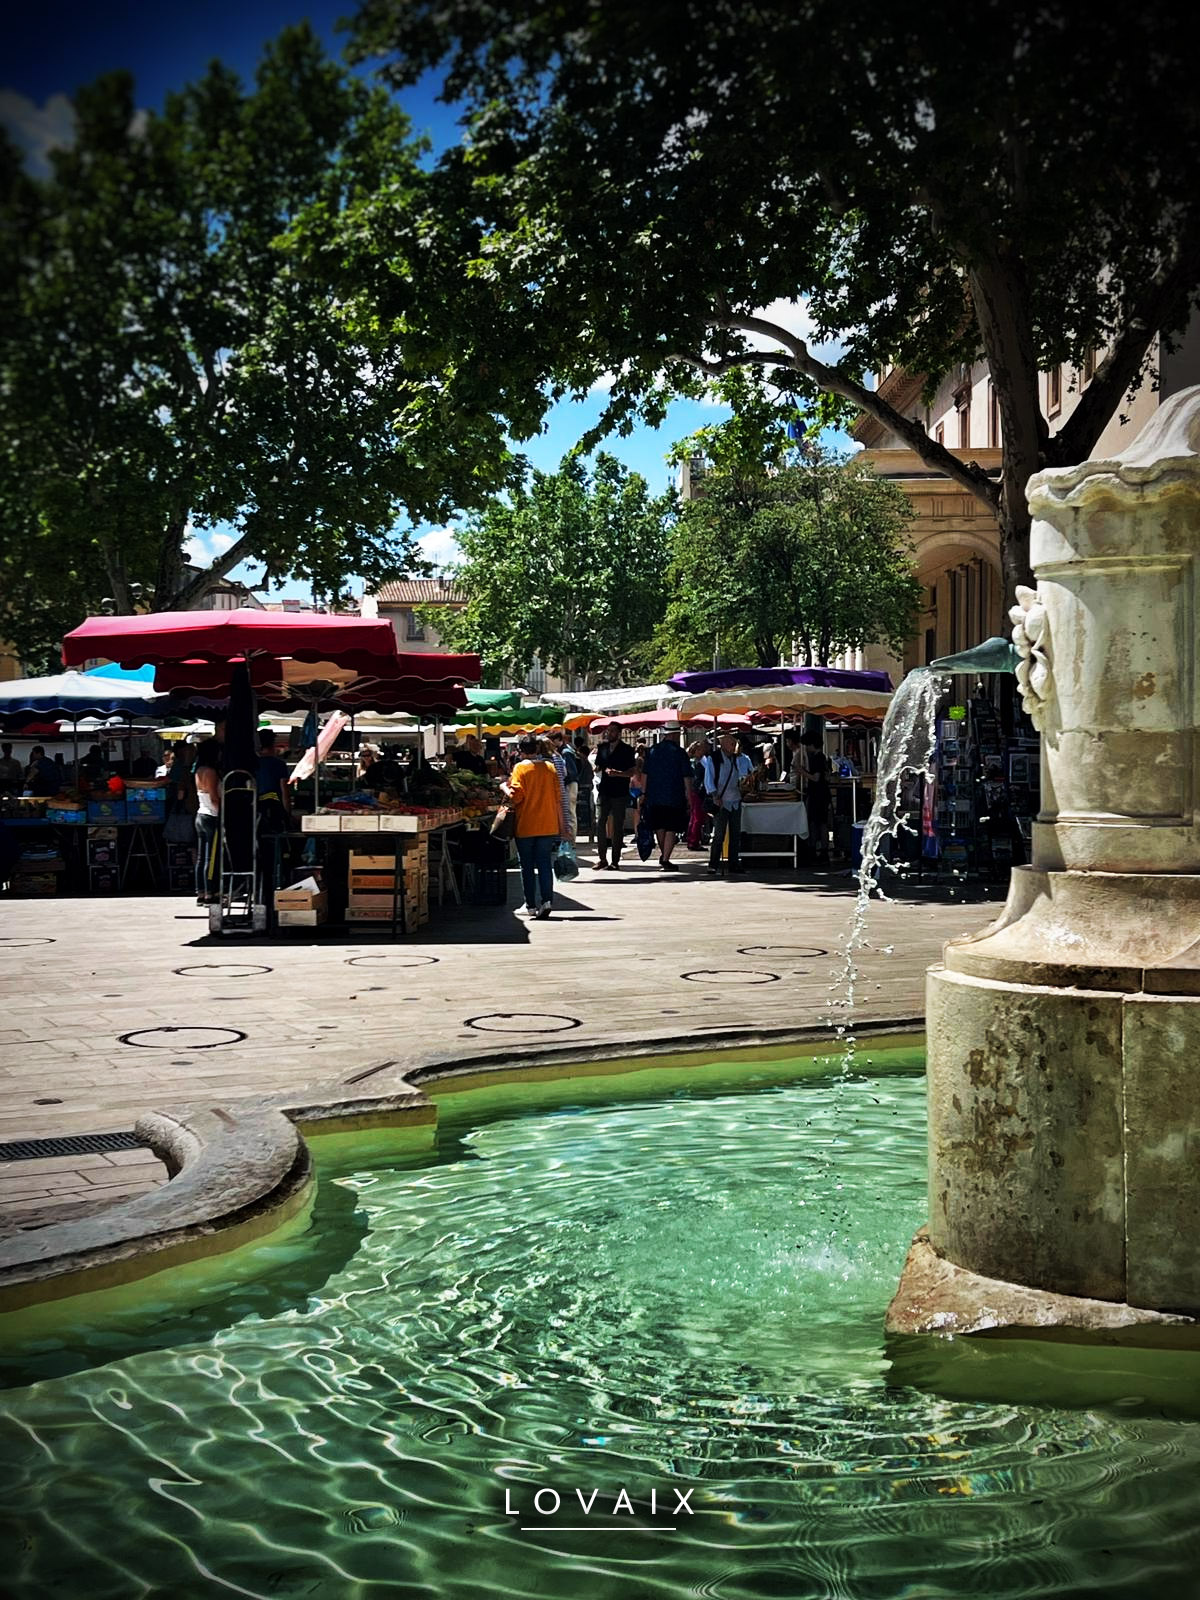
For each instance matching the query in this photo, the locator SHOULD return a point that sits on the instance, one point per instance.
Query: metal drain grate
(78, 1144)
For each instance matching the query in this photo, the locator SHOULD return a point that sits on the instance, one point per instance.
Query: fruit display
(474, 794)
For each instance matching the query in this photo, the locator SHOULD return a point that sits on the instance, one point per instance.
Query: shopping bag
(565, 863)
(644, 837)
(504, 824)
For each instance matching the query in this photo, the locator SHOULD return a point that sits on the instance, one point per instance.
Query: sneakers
(543, 912)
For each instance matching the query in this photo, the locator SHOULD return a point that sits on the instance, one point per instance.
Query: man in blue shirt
(668, 793)
(42, 778)
(724, 774)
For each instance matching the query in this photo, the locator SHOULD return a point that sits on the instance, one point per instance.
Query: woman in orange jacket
(534, 789)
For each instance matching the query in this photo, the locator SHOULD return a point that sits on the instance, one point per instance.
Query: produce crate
(66, 814)
(148, 805)
(301, 908)
(373, 880)
(106, 811)
(379, 910)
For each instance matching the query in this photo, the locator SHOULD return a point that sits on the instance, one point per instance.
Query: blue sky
(53, 49)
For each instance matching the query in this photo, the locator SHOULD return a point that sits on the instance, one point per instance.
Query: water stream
(905, 746)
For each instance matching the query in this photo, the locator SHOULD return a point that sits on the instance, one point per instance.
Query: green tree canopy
(166, 366)
(569, 569)
(1014, 181)
(814, 551)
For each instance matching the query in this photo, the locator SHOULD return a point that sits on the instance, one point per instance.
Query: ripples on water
(682, 1292)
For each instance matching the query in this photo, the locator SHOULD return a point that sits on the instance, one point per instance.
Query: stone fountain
(1064, 1039)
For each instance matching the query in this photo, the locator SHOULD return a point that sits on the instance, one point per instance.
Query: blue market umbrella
(70, 696)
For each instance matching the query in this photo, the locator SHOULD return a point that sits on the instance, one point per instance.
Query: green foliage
(815, 552)
(1015, 181)
(167, 364)
(570, 569)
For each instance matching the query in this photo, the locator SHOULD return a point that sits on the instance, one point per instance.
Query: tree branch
(196, 589)
(1077, 437)
(967, 474)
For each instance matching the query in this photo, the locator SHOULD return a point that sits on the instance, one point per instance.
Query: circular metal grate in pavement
(793, 952)
(523, 1022)
(404, 961)
(737, 978)
(187, 1036)
(228, 969)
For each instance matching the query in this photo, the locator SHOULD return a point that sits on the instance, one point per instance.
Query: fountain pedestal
(1064, 1039)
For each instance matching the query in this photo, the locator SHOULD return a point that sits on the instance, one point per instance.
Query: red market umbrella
(430, 684)
(227, 635)
(637, 719)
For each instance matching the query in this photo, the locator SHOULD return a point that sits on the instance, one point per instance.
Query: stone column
(1064, 1039)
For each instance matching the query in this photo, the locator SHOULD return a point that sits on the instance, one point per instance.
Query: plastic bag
(565, 864)
(644, 837)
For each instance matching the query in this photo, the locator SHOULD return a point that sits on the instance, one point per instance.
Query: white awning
(613, 700)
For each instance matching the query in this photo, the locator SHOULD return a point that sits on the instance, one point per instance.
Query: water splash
(905, 746)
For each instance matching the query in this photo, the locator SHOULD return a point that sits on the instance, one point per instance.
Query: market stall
(772, 696)
(244, 658)
(75, 829)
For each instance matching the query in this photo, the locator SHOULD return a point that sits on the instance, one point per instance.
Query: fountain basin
(665, 1283)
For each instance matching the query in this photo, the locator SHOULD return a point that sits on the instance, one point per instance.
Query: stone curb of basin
(241, 1172)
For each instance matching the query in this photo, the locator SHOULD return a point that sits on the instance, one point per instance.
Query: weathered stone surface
(1093, 930)
(1162, 1151)
(1115, 545)
(1025, 1137)
(938, 1296)
(239, 1176)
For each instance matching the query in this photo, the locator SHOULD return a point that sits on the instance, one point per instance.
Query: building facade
(401, 602)
(955, 537)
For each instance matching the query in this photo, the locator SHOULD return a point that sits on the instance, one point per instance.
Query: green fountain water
(680, 1292)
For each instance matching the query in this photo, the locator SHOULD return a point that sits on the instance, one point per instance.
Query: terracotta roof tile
(421, 592)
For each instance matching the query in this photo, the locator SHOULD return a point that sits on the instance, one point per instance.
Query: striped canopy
(522, 719)
(815, 698)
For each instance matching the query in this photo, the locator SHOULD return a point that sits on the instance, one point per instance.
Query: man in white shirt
(724, 775)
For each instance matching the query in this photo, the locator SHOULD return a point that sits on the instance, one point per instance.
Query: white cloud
(194, 548)
(201, 548)
(38, 129)
(440, 547)
(795, 318)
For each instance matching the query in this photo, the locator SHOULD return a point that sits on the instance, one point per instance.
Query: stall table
(782, 818)
(369, 832)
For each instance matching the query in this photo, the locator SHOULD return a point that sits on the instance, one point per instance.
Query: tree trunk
(1015, 523)
(115, 568)
(169, 582)
(1002, 311)
(767, 652)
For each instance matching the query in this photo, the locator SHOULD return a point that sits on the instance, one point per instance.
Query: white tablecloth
(784, 817)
